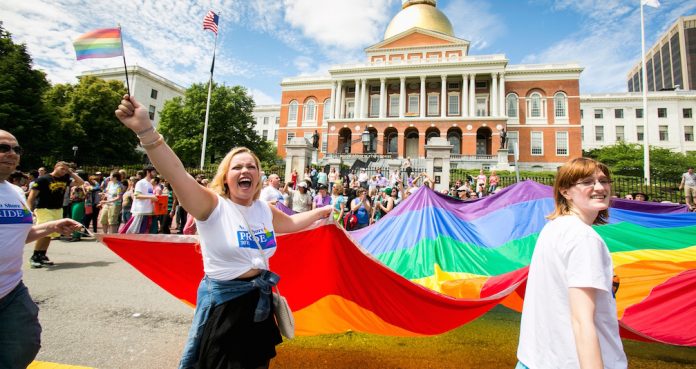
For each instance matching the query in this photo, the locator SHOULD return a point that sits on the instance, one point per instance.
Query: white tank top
(226, 244)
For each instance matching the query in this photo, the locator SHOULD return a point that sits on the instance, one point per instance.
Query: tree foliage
(627, 159)
(230, 124)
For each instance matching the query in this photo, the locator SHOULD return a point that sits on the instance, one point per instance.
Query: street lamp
(365, 137)
(74, 149)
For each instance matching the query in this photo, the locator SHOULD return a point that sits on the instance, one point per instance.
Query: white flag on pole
(653, 3)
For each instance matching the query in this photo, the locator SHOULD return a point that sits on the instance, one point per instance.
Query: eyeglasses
(5, 148)
(589, 182)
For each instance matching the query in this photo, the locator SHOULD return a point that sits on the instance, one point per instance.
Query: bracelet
(153, 144)
(144, 131)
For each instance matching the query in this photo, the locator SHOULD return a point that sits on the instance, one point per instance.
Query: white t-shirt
(143, 206)
(270, 193)
(227, 247)
(689, 179)
(15, 224)
(568, 253)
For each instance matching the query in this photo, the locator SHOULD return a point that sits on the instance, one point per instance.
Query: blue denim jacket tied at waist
(212, 293)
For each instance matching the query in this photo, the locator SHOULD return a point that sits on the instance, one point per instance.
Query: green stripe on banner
(112, 43)
(630, 237)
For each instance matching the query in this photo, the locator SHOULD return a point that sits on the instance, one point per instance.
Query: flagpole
(123, 53)
(646, 129)
(207, 106)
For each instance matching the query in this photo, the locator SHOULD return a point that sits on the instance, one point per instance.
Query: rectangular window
(511, 141)
(393, 105)
(687, 113)
(324, 142)
(374, 89)
(482, 84)
(291, 135)
(598, 113)
(153, 94)
(664, 133)
(599, 133)
(350, 90)
(350, 108)
(453, 85)
(264, 134)
(433, 104)
(151, 112)
(582, 133)
(620, 133)
(374, 105)
(639, 113)
(662, 112)
(618, 113)
(265, 121)
(453, 104)
(688, 133)
(481, 107)
(582, 115)
(639, 133)
(537, 143)
(412, 104)
(562, 143)
(277, 122)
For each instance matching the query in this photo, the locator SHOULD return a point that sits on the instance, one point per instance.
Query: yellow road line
(47, 365)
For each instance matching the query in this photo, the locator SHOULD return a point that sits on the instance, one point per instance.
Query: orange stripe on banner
(334, 314)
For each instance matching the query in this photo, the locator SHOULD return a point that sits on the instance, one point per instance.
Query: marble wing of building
(419, 83)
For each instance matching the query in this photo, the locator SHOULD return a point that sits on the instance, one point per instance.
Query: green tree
(627, 159)
(22, 111)
(230, 124)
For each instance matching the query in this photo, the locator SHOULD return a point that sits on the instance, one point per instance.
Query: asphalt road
(98, 311)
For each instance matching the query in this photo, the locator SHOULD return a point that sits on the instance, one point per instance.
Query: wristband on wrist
(144, 131)
(153, 144)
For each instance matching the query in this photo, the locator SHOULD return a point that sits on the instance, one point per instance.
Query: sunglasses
(5, 148)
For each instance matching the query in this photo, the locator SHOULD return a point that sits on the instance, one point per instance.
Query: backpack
(350, 220)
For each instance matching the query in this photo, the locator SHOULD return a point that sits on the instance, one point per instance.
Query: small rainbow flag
(100, 43)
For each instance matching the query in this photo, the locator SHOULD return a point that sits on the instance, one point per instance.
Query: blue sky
(263, 41)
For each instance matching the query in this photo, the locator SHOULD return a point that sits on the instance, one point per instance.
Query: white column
(339, 100)
(402, 97)
(382, 90)
(423, 97)
(465, 95)
(472, 95)
(494, 95)
(364, 101)
(501, 93)
(356, 100)
(332, 108)
(443, 96)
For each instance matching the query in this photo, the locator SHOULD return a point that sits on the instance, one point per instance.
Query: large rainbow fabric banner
(435, 263)
(100, 43)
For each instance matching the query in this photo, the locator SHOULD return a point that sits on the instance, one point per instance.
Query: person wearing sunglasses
(569, 313)
(20, 331)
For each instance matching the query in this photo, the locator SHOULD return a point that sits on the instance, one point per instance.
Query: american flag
(211, 22)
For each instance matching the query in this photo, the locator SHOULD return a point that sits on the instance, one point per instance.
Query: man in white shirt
(688, 183)
(143, 207)
(271, 193)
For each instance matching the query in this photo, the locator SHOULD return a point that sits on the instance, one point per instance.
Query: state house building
(420, 82)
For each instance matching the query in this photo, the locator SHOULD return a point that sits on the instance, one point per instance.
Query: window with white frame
(688, 133)
(664, 133)
(537, 143)
(350, 108)
(639, 113)
(687, 113)
(277, 121)
(639, 133)
(618, 113)
(310, 111)
(562, 143)
(511, 105)
(264, 134)
(599, 113)
(433, 104)
(662, 112)
(453, 104)
(324, 142)
(394, 105)
(265, 121)
(512, 138)
(327, 109)
(599, 133)
(290, 136)
(535, 105)
(374, 105)
(292, 111)
(560, 105)
(151, 112)
(412, 107)
(620, 136)
(481, 106)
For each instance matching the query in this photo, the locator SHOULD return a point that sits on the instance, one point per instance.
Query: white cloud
(476, 22)
(261, 98)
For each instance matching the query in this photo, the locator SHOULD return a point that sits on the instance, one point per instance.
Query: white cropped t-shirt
(226, 244)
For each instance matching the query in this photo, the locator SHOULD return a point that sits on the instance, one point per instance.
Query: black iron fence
(208, 171)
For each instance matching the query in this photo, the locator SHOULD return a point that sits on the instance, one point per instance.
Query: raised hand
(133, 115)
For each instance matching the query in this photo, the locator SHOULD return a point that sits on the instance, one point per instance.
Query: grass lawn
(489, 342)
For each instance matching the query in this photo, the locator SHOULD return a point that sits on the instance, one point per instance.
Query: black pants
(91, 218)
(180, 219)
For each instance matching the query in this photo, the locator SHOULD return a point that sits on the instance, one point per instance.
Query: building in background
(150, 89)
(267, 119)
(671, 61)
(611, 118)
(420, 82)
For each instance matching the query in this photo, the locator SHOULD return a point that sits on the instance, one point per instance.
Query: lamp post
(365, 138)
(74, 149)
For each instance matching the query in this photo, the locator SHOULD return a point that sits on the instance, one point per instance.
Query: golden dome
(422, 14)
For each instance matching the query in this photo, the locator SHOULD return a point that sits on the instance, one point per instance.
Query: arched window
(292, 112)
(511, 102)
(535, 105)
(310, 111)
(560, 105)
(327, 108)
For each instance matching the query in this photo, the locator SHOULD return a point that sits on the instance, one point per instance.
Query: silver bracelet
(144, 131)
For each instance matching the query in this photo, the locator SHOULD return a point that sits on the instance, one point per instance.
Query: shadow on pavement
(69, 265)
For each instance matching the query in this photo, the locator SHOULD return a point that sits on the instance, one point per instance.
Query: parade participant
(361, 207)
(271, 193)
(47, 193)
(688, 183)
(143, 208)
(569, 313)
(111, 204)
(20, 331)
(233, 324)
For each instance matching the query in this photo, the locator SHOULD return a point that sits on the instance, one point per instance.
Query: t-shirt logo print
(264, 236)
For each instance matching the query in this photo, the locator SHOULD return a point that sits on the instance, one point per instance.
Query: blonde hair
(567, 176)
(337, 189)
(218, 184)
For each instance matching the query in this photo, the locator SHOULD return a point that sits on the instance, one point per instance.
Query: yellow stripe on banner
(675, 256)
(450, 283)
(47, 365)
